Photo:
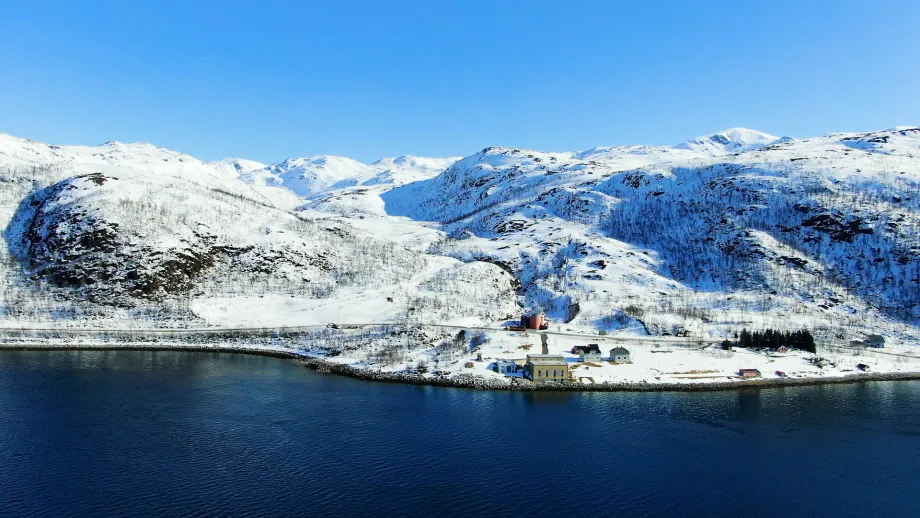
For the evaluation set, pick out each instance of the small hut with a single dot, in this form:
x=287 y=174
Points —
x=749 y=373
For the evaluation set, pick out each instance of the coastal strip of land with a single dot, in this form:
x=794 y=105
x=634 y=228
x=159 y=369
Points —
x=472 y=381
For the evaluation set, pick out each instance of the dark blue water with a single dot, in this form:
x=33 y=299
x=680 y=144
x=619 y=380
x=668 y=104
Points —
x=198 y=434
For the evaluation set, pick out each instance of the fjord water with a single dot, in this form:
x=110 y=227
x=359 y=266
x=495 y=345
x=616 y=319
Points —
x=200 y=434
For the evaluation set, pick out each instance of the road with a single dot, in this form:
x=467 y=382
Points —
x=269 y=331
x=294 y=329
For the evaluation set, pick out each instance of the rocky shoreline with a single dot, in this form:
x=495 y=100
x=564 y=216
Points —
x=470 y=381
x=274 y=353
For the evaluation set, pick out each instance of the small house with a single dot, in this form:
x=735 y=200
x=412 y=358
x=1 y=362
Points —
x=620 y=355
x=876 y=341
x=506 y=367
x=749 y=373
x=782 y=349
x=780 y=374
x=541 y=368
x=588 y=353
x=863 y=367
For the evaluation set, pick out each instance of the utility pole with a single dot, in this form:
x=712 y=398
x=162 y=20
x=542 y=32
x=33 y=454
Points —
x=408 y=312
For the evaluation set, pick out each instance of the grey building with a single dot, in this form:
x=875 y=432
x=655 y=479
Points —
x=588 y=353
x=620 y=355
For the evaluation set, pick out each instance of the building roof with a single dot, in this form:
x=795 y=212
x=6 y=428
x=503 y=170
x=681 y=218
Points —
x=876 y=338
x=546 y=358
x=749 y=370
x=619 y=350
x=590 y=348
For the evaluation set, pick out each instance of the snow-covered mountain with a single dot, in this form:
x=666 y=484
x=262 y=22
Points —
x=134 y=233
x=298 y=181
x=306 y=177
x=405 y=169
x=752 y=229
x=730 y=230
x=734 y=140
x=339 y=184
x=111 y=157
x=236 y=166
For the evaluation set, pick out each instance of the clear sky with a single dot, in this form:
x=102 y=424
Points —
x=268 y=80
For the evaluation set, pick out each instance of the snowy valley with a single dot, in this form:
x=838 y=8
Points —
x=661 y=249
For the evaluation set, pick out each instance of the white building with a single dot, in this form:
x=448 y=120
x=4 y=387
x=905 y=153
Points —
x=506 y=367
x=590 y=353
x=619 y=355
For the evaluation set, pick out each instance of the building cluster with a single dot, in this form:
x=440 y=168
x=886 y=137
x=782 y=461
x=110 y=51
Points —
x=542 y=368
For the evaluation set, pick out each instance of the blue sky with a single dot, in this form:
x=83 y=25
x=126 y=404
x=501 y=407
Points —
x=269 y=80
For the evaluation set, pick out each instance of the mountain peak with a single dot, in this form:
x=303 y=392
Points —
x=236 y=166
x=321 y=161
x=415 y=162
x=732 y=140
x=131 y=145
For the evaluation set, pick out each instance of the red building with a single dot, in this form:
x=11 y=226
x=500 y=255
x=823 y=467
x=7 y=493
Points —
x=535 y=321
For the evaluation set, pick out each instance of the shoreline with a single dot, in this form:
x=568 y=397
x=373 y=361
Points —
x=475 y=382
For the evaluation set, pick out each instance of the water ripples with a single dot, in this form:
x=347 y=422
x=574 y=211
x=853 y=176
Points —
x=199 y=434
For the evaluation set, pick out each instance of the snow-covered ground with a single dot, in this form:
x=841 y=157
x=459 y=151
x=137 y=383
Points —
x=672 y=363
x=729 y=231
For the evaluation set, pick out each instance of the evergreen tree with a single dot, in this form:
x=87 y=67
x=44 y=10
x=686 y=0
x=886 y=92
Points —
x=770 y=338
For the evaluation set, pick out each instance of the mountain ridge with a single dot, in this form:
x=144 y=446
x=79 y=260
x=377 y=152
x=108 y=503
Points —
x=715 y=226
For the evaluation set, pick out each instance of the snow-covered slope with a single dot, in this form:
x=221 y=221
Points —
x=234 y=167
x=734 y=140
x=307 y=176
x=111 y=156
x=405 y=169
x=361 y=194
x=122 y=230
x=708 y=237
x=354 y=186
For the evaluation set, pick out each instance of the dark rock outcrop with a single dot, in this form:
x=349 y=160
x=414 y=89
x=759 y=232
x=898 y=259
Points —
x=70 y=244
